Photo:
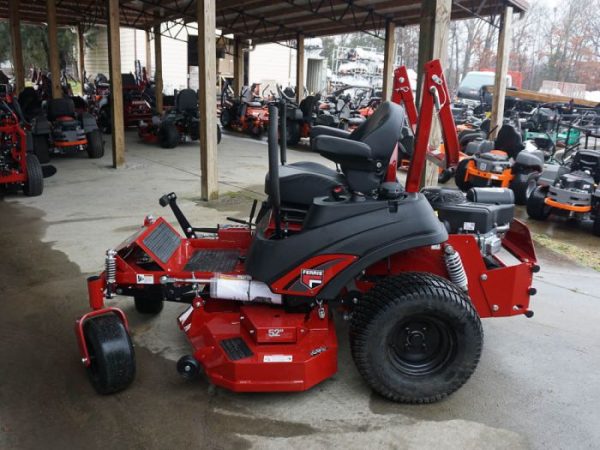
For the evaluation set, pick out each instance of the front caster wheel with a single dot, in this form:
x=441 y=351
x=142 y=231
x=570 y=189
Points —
x=415 y=338
x=188 y=367
x=112 y=359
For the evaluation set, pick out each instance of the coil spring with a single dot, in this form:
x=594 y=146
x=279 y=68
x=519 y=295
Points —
x=111 y=267
x=456 y=270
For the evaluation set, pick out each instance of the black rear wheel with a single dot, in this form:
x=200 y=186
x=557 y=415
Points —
x=112 y=359
x=168 y=136
x=596 y=226
x=218 y=134
x=95 y=144
x=225 y=117
x=104 y=120
x=416 y=338
x=460 y=175
x=34 y=185
x=536 y=204
x=523 y=185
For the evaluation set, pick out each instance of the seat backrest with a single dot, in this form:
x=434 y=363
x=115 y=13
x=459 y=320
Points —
x=509 y=140
x=307 y=105
x=382 y=130
x=186 y=100
x=128 y=80
x=58 y=107
x=587 y=160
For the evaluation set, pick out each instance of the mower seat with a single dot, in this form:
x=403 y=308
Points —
x=59 y=107
x=365 y=154
x=307 y=106
x=509 y=140
x=186 y=100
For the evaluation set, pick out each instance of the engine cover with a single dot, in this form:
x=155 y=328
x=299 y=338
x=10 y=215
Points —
x=475 y=218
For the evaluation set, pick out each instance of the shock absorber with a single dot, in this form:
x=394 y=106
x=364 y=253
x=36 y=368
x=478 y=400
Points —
x=110 y=263
x=455 y=268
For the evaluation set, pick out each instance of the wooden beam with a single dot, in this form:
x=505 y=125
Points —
x=81 y=47
x=148 y=55
x=207 y=98
x=502 y=57
x=158 y=78
x=299 y=67
x=17 y=49
x=53 y=55
x=389 y=55
x=238 y=66
x=433 y=38
x=116 y=84
x=541 y=97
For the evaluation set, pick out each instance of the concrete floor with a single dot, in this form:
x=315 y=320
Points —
x=536 y=385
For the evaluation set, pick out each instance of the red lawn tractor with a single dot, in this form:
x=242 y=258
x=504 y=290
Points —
x=136 y=105
x=414 y=282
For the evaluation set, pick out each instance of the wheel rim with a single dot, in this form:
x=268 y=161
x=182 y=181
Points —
x=421 y=345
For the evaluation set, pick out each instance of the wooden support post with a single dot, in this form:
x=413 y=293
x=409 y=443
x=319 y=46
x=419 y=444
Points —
x=238 y=66
x=300 y=67
x=389 y=55
x=53 y=56
x=433 y=42
x=116 y=84
x=158 y=78
x=81 y=45
x=148 y=54
x=502 y=57
x=207 y=98
x=17 y=49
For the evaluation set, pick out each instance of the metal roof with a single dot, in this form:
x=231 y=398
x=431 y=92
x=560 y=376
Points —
x=262 y=20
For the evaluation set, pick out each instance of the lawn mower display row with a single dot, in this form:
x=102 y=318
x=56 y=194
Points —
x=570 y=189
x=180 y=123
x=414 y=271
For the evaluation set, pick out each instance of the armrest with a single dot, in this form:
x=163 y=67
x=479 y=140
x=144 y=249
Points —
x=342 y=151
x=322 y=130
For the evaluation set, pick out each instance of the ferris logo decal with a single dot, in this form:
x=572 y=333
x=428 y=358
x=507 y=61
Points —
x=311 y=278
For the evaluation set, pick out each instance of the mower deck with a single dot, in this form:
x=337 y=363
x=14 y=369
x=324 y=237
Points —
x=257 y=348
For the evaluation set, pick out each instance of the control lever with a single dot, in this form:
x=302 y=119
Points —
x=171 y=200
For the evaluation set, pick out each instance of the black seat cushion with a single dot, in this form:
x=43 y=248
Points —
x=254 y=104
x=299 y=186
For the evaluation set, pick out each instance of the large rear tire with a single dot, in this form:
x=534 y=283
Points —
x=416 y=338
x=225 y=117
x=34 y=185
x=95 y=145
x=41 y=148
x=168 y=136
x=218 y=134
x=536 y=205
x=596 y=225
x=523 y=185
x=104 y=120
x=461 y=173
x=112 y=359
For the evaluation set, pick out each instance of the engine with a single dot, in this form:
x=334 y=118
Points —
x=488 y=218
x=579 y=181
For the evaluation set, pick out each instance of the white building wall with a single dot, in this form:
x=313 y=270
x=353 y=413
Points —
x=272 y=63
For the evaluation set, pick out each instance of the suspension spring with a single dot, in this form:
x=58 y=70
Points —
x=111 y=271
x=456 y=270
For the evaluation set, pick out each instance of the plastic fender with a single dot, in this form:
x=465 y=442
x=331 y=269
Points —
x=88 y=122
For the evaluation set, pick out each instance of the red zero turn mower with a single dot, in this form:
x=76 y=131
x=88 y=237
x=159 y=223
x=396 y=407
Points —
x=18 y=167
x=261 y=293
